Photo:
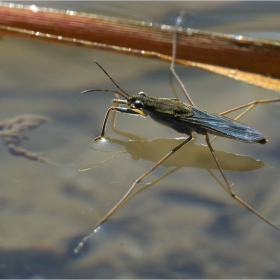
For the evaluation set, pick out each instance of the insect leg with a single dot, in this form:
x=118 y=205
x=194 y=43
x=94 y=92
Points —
x=250 y=106
x=152 y=183
x=123 y=199
x=231 y=191
x=118 y=109
x=172 y=68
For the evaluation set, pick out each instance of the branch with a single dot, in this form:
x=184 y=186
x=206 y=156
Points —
x=237 y=52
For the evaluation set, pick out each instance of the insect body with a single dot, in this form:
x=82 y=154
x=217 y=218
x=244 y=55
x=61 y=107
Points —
x=185 y=118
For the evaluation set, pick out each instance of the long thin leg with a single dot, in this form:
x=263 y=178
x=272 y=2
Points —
x=251 y=104
x=172 y=69
x=152 y=183
x=123 y=199
x=231 y=191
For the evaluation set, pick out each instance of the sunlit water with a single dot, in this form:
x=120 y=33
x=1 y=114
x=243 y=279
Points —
x=185 y=225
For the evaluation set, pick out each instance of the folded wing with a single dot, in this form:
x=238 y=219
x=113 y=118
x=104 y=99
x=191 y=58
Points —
x=223 y=126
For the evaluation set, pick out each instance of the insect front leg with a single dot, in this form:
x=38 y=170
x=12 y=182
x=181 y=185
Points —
x=118 y=109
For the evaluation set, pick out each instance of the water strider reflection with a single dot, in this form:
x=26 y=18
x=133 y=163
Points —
x=191 y=155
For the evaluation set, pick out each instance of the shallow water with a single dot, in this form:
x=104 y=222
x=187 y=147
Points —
x=184 y=226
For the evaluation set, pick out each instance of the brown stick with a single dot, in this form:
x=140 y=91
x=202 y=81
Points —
x=237 y=52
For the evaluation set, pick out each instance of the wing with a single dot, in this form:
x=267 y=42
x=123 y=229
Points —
x=202 y=121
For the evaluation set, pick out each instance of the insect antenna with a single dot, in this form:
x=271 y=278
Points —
x=124 y=94
x=105 y=90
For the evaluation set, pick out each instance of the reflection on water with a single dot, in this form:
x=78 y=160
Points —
x=183 y=227
x=190 y=155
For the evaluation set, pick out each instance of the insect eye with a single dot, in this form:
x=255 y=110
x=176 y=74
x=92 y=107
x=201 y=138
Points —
x=142 y=93
x=138 y=104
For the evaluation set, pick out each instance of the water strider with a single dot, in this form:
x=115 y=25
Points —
x=184 y=119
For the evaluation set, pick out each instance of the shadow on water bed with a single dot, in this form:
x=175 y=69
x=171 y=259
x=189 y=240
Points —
x=11 y=134
x=46 y=264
